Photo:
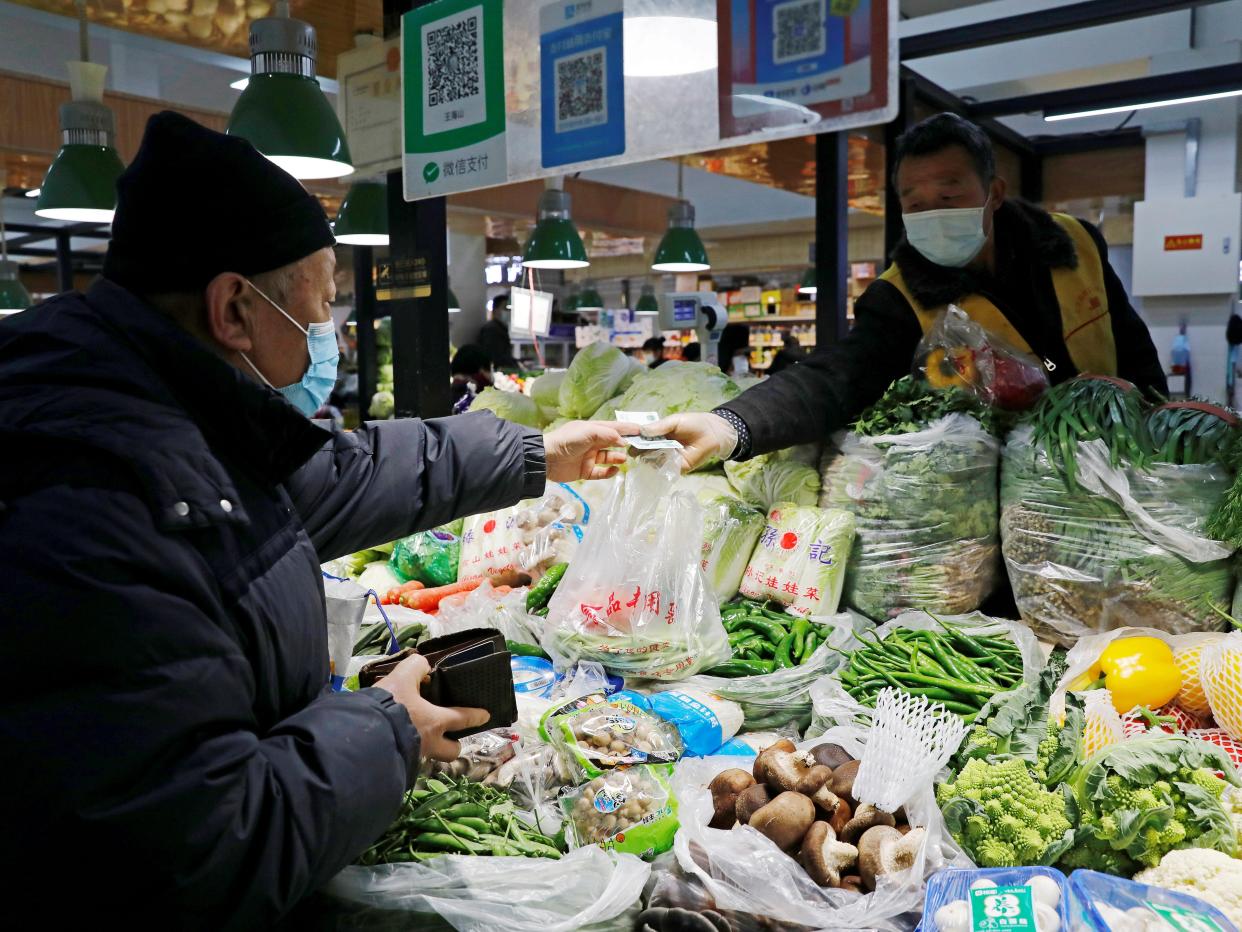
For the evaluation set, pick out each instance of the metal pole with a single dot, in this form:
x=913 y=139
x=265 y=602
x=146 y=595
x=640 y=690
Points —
x=420 y=326
x=364 y=317
x=64 y=263
x=831 y=237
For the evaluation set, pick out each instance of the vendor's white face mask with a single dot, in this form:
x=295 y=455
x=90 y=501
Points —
x=741 y=366
x=950 y=237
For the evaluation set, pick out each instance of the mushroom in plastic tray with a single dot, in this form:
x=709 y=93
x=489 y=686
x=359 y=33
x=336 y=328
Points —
x=803 y=802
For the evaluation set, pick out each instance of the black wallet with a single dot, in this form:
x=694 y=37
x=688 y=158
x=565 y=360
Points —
x=469 y=668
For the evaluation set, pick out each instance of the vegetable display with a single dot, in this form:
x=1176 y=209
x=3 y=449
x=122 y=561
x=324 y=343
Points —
x=678 y=386
x=1097 y=529
x=375 y=639
x=764 y=639
x=598 y=372
x=925 y=505
x=800 y=559
x=512 y=406
x=767 y=480
x=959 y=670
x=456 y=816
x=731 y=528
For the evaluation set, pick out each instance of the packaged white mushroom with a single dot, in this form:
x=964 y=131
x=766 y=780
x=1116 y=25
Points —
x=1113 y=904
x=597 y=732
x=965 y=900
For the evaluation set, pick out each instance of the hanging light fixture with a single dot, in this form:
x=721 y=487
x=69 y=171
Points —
x=680 y=250
x=589 y=299
x=13 y=294
x=807 y=285
x=362 y=219
x=80 y=185
x=647 y=301
x=554 y=243
x=283 y=111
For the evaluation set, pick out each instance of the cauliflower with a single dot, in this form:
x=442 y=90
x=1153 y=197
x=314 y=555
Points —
x=1003 y=816
x=1212 y=876
x=1232 y=799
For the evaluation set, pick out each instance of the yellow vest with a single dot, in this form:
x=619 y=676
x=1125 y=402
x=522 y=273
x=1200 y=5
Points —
x=1085 y=325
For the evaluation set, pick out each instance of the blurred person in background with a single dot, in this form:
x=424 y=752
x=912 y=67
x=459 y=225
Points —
x=692 y=352
x=471 y=370
x=733 y=350
x=494 y=336
x=653 y=352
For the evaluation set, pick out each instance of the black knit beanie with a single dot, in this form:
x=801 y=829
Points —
x=195 y=203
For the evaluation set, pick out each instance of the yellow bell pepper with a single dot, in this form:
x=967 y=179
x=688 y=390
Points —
x=1140 y=671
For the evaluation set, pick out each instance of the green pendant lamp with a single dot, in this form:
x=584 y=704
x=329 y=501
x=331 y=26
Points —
x=283 y=111
x=647 y=301
x=807 y=285
x=680 y=250
x=589 y=299
x=363 y=217
x=554 y=242
x=80 y=185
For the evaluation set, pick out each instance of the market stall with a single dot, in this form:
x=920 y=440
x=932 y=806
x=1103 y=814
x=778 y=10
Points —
x=765 y=697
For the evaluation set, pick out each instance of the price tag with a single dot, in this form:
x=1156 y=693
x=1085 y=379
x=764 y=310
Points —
x=1184 y=920
x=999 y=909
x=643 y=443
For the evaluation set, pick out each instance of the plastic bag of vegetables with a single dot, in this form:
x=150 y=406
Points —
x=431 y=557
x=925 y=511
x=800 y=560
x=634 y=598
x=837 y=702
x=1111 y=538
x=595 y=375
x=731 y=529
x=588 y=886
x=512 y=406
x=745 y=870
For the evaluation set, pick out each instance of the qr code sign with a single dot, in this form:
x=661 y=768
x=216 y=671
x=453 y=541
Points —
x=453 y=62
x=581 y=90
x=798 y=30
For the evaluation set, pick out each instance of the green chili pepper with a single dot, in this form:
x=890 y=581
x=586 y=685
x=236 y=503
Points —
x=808 y=648
x=732 y=668
x=784 y=660
x=773 y=631
x=800 y=629
x=541 y=592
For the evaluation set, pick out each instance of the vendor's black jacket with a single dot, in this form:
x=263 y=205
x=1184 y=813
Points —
x=171 y=757
x=832 y=386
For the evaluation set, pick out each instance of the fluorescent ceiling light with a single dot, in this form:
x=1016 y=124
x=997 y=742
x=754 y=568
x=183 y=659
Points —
x=307 y=168
x=34 y=192
x=240 y=84
x=646 y=313
x=664 y=46
x=1148 y=105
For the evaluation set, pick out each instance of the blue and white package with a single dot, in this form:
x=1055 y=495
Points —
x=1033 y=899
x=532 y=676
x=705 y=722
x=1104 y=903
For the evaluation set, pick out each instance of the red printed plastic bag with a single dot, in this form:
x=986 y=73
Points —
x=800 y=559
x=959 y=353
x=634 y=598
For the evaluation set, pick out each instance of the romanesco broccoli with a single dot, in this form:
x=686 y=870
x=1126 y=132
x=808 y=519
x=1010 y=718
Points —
x=1002 y=815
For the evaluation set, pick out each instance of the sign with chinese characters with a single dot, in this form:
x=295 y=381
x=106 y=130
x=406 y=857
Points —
x=996 y=909
x=369 y=104
x=790 y=63
x=453 y=97
x=1175 y=243
x=1185 y=920
x=402 y=278
x=582 y=94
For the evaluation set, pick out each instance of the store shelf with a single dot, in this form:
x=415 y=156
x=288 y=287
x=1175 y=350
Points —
x=775 y=319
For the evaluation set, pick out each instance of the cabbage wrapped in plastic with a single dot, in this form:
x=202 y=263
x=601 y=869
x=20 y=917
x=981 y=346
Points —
x=512 y=406
x=679 y=386
x=731 y=529
x=383 y=405
x=766 y=480
x=546 y=393
x=595 y=375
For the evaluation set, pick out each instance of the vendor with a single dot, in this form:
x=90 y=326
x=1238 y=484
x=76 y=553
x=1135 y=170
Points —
x=165 y=504
x=1039 y=281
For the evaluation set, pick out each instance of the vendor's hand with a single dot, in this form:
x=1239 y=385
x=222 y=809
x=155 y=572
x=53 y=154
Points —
x=432 y=721
x=702 y=436
x=582 y=449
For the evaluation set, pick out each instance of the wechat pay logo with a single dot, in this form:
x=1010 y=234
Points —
x=431 y=171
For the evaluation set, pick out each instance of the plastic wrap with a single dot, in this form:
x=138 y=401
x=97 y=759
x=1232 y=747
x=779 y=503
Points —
x=832 y=705
x=596 y=733
x=925 y=511
x=731 y=529
x=431 y=557
x=631 y=811
x=482 y=894
x=783 y=697
x=634 y=598
x=742 y=870
x=800 y=559
x=484 y=607
x=1104 y=903
x=951 y=887
x=774 y=477
x=526 y=537
x=1124 y=548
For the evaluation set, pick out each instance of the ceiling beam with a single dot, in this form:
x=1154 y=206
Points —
x=936 y=96
x=1032 y=25
x=1116 y=93
x=1073 y=143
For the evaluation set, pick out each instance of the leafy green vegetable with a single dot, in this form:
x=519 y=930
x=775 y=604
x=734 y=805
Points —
x=1143 y=797
x=800 y=559
x=545 y=392
x=595 y=375
x=730 y=531
x=355 y=563
x=678 y=386
x=1090 y=407
x=383 y=404
x=765 y=480
x=1185 y=433
x=909 y=405
x=512 y=406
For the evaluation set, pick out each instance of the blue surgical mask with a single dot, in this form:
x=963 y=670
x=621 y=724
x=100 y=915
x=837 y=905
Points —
x=951 y=237
x=309 y=394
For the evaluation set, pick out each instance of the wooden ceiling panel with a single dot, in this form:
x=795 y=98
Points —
x=223 y=25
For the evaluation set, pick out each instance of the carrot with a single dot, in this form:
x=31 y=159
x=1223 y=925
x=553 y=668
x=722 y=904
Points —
x=425 y=599
x=393 y=596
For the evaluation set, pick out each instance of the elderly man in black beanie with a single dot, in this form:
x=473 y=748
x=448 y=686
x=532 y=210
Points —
x=172 y=754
